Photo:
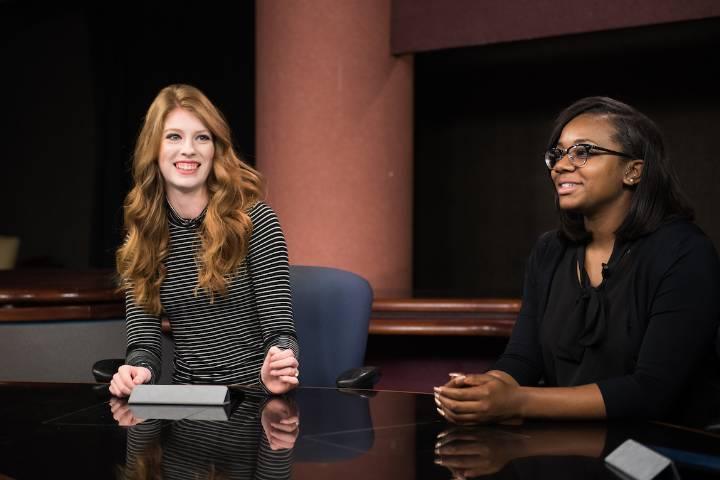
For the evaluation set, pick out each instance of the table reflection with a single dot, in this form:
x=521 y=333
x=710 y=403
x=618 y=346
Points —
x=475 y=451
x=73 y=431
x=568 y=450
x=255 y=441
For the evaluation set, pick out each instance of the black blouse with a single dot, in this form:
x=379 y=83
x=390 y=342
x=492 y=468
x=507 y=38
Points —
x=645 y=335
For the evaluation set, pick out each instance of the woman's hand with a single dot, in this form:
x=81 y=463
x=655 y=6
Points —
x=122 y=413
x=479 y=398
x=279 y=372
x=473 y=451
x=126 y=378
x=281 y=423
x=470 y=452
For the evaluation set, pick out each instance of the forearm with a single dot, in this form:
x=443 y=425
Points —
x=139 y=357
x=584 y=401
x=270 y=275
x=144 y=338
x=285 y=342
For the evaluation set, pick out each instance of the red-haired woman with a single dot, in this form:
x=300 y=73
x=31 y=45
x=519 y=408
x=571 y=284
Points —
x=202 y=249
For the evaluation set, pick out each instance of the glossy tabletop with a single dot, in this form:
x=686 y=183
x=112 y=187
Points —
x=77 y=431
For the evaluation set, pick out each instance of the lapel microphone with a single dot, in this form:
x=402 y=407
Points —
x=606 y=267
x=605 y=270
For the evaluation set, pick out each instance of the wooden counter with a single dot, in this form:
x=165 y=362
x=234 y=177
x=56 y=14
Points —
x=54 y=295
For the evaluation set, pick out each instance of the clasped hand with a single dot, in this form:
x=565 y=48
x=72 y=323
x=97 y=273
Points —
x=122 y=413
x=281 y=423
x=279 y=372
x=126 y=378
x=470 y=452
x=479 y=398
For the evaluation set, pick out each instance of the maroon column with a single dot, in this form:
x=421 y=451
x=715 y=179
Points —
x=334 y=136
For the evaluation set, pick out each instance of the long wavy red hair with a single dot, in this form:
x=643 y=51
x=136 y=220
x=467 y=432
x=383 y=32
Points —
x=233 y=187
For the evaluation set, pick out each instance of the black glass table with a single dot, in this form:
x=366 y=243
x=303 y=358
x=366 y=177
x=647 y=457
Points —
x=78 y=431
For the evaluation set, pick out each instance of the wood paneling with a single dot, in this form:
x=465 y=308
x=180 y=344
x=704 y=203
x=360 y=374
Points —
x=65 y=295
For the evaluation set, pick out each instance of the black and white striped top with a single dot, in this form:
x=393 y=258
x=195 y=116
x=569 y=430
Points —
x=224 y=341
x=235 y=449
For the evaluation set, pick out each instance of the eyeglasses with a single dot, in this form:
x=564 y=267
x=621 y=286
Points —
x=577 y=154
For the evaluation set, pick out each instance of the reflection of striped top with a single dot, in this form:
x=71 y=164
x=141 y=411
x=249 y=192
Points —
x=236 y=449
x=223 y=341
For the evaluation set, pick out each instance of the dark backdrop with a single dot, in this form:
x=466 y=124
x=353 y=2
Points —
x=77 y=80
x=483 y=115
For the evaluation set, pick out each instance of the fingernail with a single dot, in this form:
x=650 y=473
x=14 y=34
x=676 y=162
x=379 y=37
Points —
x=454 y=374
x=440 y=412
x=436 y=389
x=438 y=461
x=442 y=434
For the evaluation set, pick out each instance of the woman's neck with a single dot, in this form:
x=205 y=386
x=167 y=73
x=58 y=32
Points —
x=188 y=205
x=603 y=224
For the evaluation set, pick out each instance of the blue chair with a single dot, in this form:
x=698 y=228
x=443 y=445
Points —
x=331 y=309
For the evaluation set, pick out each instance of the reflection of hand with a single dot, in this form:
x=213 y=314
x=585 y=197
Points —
x=479 y=398
x=126 y=378
x=480 y=451
x=473 y=451
x=279 y=372
x=122 y=413
x=281 y=423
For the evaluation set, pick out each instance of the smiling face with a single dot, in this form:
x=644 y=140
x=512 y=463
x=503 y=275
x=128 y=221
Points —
x=186 y=154
x=599 y=184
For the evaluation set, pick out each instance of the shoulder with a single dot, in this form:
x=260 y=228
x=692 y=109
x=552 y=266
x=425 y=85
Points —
x=679 y=238
x=264 y=221
x=548 y=246
x=260 y=212
x=681 y=248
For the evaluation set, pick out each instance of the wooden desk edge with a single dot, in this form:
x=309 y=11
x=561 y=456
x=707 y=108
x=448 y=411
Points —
x=462 y=317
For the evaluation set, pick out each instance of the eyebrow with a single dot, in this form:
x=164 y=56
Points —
x=578 y=141
x=204 y=130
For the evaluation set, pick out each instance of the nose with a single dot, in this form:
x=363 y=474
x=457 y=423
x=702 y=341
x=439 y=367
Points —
x=564 y=164
x=188 y=148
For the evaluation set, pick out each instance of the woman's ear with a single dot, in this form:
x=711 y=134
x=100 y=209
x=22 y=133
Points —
x=633 y=172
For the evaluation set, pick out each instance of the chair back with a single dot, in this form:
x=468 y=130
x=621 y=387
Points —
x=331 y=309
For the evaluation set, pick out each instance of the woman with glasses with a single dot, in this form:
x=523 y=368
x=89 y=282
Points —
x=204 y=250
x=621 y=304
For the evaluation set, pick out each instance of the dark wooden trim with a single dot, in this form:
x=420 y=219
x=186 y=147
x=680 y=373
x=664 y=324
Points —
x=447 y=305
x=493 y=317
x=57 y=287
x=35 y=296
x=26 y=296
x=54 y=313
x=495 y=327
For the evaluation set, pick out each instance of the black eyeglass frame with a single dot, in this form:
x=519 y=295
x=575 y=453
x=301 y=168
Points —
x=587 y=146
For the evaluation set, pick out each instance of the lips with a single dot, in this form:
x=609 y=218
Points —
x=187 y=167
x=567 y=187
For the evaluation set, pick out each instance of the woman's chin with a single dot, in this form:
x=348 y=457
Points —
x=569 y=206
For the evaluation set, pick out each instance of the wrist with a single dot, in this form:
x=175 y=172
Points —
x=523 y=400
x=504 y=376
x=150 y=375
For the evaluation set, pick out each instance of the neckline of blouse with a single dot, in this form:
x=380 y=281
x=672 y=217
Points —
x=176 y=219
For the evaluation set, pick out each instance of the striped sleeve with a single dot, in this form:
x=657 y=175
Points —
x=144 y=336
x=267 y=261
